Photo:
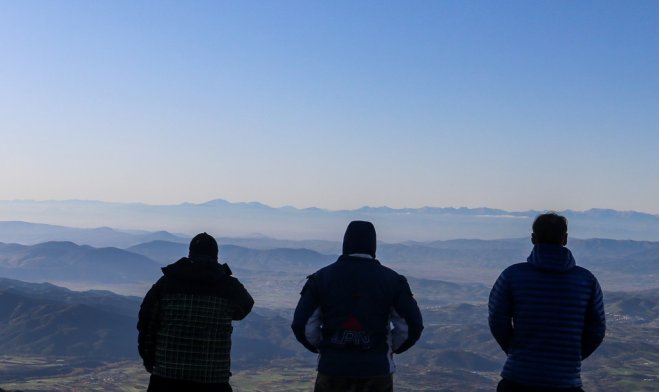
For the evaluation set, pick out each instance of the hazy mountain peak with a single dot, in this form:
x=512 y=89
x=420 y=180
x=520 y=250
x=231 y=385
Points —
x=228 y=219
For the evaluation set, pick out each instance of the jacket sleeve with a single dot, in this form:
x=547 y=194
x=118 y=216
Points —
x=307 y=320
x=147 y=325
x=500 y=312
x=595 y=323
x=241 y=300
x=406 y=319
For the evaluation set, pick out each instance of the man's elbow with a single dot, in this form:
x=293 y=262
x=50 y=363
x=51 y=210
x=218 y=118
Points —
x=413 y=336
x=242 y=309
x=300 y=336
x=239 y=313
x=592 y=344
x=502 y=333
x=415 y=332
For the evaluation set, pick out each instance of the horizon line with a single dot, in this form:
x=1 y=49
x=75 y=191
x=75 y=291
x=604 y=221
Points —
x=288 y=206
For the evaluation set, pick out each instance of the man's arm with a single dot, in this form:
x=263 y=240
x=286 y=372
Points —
x=307 y=318
x=147 y=326
x=500 y=312
x=241 y=301
x=595 y=323
x=406 y=318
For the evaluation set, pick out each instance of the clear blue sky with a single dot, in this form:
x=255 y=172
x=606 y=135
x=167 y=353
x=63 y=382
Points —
x=509 y=104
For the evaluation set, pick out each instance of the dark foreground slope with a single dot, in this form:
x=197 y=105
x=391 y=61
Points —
x=42 y=319
x=54 y=335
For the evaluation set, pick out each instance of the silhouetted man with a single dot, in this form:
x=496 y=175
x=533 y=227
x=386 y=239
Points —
x=185 y=322
x=546 y=314
x=346 y=311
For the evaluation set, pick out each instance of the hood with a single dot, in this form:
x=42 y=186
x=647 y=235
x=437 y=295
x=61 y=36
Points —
x=551 y=257
x=190 y=269
x=360 y=237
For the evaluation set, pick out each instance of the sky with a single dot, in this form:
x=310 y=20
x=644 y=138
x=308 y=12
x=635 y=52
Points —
x=545 y=105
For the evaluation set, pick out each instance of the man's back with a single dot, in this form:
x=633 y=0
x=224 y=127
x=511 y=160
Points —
x=195 y=306
x=346 y=311
x=185 y=323
x=355 y=297
x=547 y=315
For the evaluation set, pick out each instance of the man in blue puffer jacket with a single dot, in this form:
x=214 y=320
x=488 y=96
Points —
x=546 y=314
x=345 y=314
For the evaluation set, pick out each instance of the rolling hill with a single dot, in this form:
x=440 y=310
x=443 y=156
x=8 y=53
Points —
x=66 y=261
x=48 y=320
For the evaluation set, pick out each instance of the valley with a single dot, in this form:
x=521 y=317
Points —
x=456 y=353
x=58 y=339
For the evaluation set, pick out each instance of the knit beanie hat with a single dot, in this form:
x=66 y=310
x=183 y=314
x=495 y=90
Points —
x=359 y=238
x=203 y=245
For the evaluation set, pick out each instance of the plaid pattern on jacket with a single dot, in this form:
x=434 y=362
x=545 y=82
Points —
x=194 y=338
x=185 y=322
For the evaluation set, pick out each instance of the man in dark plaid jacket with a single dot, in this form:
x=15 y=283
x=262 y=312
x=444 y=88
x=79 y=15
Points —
x=185 y=322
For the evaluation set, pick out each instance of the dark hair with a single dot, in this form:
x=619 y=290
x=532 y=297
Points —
x=550 y=228
x=203 y=244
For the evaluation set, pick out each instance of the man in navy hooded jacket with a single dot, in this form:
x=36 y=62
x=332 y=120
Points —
x=546 y=314
x=345 y=314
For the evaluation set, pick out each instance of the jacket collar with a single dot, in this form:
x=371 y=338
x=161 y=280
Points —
x=361 y=255
x=353 y=258
x=551 y=257
x=190 y=269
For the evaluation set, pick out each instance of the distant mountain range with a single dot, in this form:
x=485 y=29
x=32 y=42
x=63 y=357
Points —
x=277 y=274
x=30 y=233
x=222 y=218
